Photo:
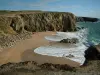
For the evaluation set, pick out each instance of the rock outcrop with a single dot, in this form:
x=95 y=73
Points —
x=86 y=19
x=92 y=53
x=36 y=22
x=49 y=21
x=5 y=27
x=11 y=40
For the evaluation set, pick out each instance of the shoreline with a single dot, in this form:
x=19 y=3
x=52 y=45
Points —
x=22 y=51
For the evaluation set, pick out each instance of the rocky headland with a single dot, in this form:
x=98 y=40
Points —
x=86 y=19
x=37 y=22
x=14 y=25
x=18 y=26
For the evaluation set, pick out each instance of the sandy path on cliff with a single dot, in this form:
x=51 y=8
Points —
x=22 y=51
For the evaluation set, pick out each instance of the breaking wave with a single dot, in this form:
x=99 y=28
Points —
x=93 y=31
x=74 y=52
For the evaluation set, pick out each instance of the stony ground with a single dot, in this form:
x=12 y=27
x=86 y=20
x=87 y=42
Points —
x=32 y=68
x=9 y=41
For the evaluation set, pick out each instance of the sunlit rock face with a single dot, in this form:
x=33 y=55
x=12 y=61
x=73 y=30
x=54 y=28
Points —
x=37 y=22
x=49 y=21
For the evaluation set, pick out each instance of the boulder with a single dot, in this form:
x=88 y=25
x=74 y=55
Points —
x=92 y=53
x=72 y=41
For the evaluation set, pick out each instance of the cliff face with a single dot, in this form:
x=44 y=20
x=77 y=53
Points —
x=37 y=21
x=5 y=25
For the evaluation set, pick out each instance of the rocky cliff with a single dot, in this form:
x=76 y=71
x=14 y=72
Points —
x=36 y=22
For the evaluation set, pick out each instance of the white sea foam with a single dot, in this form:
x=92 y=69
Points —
x=54 y=38
x=64 y=50
x=80 y=35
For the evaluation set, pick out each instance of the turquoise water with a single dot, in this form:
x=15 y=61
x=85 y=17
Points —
x=93 y=31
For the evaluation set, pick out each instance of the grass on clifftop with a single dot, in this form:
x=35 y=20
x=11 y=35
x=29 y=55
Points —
x=3 y=12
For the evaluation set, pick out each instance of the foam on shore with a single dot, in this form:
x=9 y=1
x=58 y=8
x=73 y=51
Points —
x=65 y=50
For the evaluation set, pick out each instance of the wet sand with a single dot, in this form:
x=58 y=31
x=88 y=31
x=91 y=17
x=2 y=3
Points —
x=24 y=51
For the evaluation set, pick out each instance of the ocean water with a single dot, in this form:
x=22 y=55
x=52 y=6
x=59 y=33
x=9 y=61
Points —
x=66 y=49
x=87 y=36
x=93 y=35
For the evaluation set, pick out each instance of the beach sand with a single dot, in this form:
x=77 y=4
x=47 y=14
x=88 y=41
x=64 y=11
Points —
x=24 y=51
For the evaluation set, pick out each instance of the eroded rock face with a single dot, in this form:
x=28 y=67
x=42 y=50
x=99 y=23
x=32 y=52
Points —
x=49 y=21
x=17 y=24
x=38 y=21
x=5 y=25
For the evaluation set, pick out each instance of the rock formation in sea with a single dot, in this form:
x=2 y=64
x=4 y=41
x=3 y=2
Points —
x=71 y=41
x=92 y=53
x=86 y=19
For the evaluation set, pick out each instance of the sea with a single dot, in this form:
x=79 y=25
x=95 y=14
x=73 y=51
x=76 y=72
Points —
x=72 y=51
x=87 y=33
x=93 y=35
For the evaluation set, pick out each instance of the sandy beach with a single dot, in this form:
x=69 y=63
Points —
x=24 y=51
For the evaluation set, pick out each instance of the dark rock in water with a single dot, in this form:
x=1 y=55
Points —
x=73 y=40
x=82 y=27
x=92 y=53
x=70 y=56
x=86 y=19
x=79 y=28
